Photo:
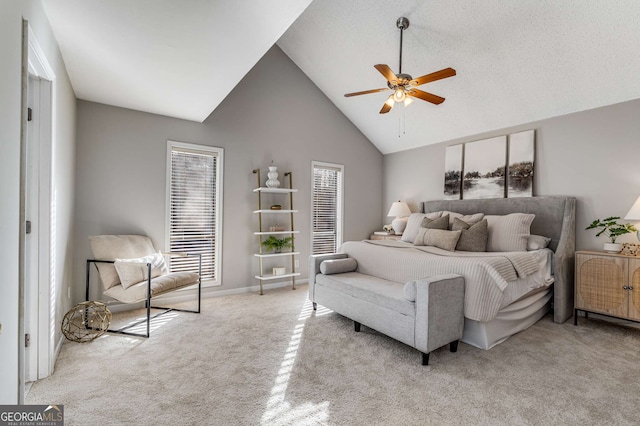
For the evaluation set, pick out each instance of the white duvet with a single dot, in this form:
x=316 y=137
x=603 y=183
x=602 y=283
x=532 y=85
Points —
x=492 y=280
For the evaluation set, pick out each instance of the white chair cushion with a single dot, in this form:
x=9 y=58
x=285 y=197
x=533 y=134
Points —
x=112 y=247
x=133 y=271
x=162 y=284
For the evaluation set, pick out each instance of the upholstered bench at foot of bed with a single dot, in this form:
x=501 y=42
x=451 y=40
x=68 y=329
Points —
x=425 y=314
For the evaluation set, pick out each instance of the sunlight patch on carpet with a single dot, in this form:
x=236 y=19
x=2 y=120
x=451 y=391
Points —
x=279 y=411
x=155 y=324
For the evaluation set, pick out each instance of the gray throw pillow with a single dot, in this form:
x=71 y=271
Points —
x=439 y=223
x=445 y=240
x=471 y=219
x=338 y=266
x=473 y=237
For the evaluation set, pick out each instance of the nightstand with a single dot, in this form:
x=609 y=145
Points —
x=607 y=284
x=385 y=237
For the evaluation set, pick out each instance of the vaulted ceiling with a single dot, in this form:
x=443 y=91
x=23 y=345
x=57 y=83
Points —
x=516 y=61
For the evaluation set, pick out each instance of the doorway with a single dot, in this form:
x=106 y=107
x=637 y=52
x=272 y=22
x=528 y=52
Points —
x=37 y=352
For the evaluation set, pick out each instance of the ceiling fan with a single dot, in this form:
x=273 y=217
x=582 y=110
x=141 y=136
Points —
x=403 y=85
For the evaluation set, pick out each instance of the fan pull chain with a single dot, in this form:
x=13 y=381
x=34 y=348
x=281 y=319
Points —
x=402 y=125
x=404 y=122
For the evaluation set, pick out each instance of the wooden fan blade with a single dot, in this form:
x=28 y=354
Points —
x=438 y=75
x=425 y=96
x=387 y=73
x=365 y=92
x=386 y=107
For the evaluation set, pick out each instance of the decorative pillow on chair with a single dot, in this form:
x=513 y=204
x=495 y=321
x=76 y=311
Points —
x=133 y=271
x=112 y=247
x=413 y=225
x=510 y=232
x=473 y=237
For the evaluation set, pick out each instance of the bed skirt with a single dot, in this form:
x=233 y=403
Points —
x=510 y=320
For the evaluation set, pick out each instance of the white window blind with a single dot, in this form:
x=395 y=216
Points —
x=326 y=210
x=194 y=207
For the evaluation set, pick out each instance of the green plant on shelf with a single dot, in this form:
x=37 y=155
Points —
x=611 y=228
x=277 y=244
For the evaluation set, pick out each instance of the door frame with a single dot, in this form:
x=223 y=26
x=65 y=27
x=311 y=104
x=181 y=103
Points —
x=35 y=64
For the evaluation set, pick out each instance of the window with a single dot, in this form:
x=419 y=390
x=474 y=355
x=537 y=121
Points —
x=194 y=207
x=326 y=208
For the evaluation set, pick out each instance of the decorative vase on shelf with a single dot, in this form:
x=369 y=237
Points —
x=273 y=181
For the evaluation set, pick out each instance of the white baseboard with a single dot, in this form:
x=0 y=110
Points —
x=56 y=352
x=189 y=295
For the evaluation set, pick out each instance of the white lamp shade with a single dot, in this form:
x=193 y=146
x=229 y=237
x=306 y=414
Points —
x=634 y=213
x=399 y=209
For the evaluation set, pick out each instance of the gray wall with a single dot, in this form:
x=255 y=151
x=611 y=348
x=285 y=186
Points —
x=62 y=178
x=274 y=114
x=591 y=155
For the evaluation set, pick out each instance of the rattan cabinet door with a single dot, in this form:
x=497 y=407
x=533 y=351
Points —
x=634 y=294
x=600 y=282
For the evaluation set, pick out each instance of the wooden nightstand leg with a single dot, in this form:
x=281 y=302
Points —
x=575 y=317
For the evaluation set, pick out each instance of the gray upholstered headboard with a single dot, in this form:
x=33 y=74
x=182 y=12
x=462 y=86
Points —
x=555 y=218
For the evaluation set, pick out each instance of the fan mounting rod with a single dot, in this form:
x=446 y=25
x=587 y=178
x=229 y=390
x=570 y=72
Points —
x=402 y=23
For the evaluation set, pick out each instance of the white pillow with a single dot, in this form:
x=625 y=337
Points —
x=413 y=225
x=510 y=232
x=537 y=242
x=133 y=271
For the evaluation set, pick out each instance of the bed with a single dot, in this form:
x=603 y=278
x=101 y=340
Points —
x=555 y=219
x=508 y=284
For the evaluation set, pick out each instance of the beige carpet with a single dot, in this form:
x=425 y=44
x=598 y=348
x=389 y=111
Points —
x=251 y=360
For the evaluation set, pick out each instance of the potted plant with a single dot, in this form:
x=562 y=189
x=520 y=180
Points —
x=277 y=244
x=612 y=230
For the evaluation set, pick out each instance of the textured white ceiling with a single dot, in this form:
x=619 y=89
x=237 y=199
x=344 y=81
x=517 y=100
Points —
x=516 y=61
x=179 y=58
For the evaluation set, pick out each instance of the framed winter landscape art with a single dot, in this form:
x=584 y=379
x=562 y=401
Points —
x=484 y=168
x=453 y=172
x=521 y=157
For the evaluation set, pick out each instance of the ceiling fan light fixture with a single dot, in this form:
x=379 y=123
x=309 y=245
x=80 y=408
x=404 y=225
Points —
x=399 y=95
x=390 y=100
x=404 y=85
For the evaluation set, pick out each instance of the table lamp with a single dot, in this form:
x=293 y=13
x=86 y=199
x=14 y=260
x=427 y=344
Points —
x=400 y=210
x=634 y=214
